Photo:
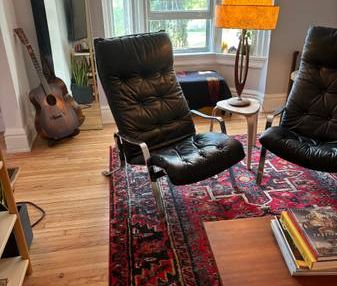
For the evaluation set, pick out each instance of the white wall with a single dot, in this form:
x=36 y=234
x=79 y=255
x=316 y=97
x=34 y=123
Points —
x=17 y=75
x=97 y=26
x=294 y=20
x=60 y=46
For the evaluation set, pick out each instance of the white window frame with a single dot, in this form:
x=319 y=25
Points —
x=138 y=14
x=178 y=15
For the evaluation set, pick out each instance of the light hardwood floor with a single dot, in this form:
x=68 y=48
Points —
x=70 y=245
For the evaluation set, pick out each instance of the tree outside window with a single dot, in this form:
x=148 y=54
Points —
x=188 y=22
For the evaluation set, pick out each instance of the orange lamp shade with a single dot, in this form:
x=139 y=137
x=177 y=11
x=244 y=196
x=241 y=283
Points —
x=247 y=14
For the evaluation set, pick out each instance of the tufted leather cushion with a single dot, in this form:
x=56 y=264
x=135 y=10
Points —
x=311 y=110
x=198 y=157
x=306 y=152
x=140 y=84
x=149 y=106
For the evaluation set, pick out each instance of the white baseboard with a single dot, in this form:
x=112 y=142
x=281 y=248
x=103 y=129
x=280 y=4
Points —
x=273 y=100
x=20 y=139
x=106 y=115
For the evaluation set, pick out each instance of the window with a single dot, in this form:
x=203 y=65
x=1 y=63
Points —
x=230 y=41
x=117 y=17
x=188 y=22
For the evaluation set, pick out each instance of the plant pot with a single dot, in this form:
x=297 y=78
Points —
x=11 y=249
x=82 y=94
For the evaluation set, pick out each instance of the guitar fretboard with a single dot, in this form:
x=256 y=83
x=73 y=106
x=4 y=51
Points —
x=33 y=57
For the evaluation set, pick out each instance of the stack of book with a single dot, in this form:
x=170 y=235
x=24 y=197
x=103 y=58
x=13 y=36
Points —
x=308 y=240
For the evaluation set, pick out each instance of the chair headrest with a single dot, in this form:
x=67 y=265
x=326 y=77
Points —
x=140 y=53
x=320 y=47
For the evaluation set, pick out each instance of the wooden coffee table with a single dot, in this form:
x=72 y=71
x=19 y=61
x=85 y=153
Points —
x=247 y=254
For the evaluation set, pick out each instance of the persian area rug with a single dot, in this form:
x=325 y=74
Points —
x=143 y=252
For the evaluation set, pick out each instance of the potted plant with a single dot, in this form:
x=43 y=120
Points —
x=82 y=91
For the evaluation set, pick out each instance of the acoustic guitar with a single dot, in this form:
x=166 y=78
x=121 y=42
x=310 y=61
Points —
x=57 y=114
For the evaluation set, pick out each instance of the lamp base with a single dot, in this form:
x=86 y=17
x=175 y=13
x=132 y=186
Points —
x=239 y=102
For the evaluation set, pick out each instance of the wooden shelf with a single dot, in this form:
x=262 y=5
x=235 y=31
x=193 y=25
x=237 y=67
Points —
x=81 y=54
x=14 y=269
x=13 y=174
x=7 y=222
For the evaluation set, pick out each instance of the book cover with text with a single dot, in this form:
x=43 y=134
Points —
x=319 y=225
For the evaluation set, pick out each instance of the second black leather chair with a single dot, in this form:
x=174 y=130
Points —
x=307 y=135
x=154 y=121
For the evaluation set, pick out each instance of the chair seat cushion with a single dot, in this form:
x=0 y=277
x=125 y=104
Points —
x=198 y=157
x=306 y=152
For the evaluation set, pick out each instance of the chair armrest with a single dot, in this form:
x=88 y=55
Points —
x=208 y=117
x=271 y=116
x=142 y=145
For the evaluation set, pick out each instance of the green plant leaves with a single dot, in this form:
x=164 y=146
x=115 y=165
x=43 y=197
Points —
x=80 y=70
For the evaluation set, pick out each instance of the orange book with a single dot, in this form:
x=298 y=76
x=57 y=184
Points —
x=301 y=232
x=297 y=239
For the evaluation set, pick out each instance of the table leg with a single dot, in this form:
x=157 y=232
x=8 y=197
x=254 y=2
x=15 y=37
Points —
x=213 y=114
x=252 y=126
x=255 y=129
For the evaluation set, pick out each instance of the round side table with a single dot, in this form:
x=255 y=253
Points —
x=250 y=113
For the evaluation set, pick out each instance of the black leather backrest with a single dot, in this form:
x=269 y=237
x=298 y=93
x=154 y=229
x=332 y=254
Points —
x=311 y=109
x=140 y=84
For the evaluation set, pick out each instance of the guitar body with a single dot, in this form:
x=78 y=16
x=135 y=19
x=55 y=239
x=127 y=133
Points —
x=57 y=114
x=60 y=83
x=55 y=117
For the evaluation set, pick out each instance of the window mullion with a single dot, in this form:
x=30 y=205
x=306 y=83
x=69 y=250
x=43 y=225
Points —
x=172 y=15
x=215 y=33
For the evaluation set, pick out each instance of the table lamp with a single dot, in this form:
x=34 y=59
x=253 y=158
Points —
x=245 y=15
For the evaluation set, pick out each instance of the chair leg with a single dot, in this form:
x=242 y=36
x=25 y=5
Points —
x=156 y=190
x=232 y=178
x=261 y=165
x=119 y=147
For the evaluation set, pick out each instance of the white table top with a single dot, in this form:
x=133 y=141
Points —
x=253 y=108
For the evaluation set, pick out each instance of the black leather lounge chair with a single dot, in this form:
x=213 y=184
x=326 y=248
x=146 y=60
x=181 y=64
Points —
x=155 y=126
x=307 y=135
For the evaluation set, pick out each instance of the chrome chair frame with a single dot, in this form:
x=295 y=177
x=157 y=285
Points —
x=154 y=174
x=263 y=154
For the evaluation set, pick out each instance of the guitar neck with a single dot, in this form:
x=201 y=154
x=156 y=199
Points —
x=38 y=69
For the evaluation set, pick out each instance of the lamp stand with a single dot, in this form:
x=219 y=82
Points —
x=241 y=71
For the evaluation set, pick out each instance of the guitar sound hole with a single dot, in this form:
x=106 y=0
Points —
x=51 y=100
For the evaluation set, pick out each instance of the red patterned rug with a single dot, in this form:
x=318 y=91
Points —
x=143 y=253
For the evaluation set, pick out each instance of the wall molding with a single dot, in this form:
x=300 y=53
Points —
x=211 y=59
x=20 y=139
x=106 y=115
x=229 y=60
x=272 y=101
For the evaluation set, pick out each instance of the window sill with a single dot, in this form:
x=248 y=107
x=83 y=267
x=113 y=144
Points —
x=212 y=59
